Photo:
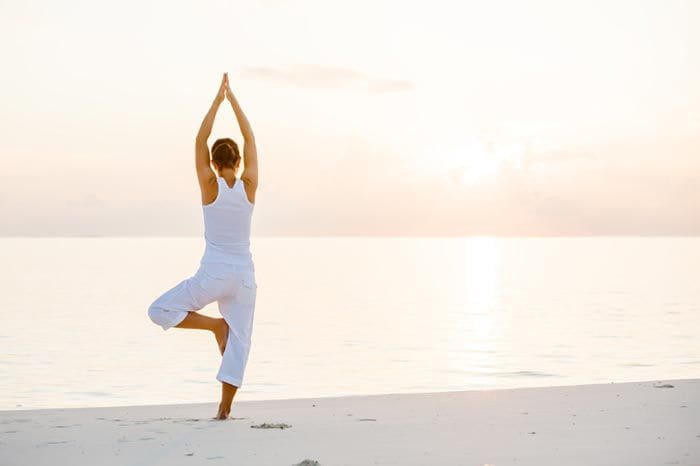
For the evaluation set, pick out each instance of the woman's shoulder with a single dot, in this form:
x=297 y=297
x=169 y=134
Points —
x=210 y=191
x=248 y=189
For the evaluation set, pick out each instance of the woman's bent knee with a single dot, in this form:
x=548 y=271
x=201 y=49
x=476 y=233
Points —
x=158 y=315
x=155 y=313
x=165 y=318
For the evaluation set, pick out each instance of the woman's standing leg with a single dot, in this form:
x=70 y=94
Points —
x=238 y=310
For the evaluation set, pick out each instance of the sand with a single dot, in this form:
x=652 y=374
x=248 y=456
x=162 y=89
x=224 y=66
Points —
x=646 y=423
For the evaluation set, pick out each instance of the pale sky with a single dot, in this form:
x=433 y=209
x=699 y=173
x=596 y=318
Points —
x=371 y=117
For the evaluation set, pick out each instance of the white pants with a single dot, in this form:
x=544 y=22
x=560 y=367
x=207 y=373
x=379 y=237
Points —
x=234 y=288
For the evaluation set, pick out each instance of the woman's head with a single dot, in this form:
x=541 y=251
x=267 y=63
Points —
x=224 y=154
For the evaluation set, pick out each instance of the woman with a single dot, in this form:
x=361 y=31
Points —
x=226 y=273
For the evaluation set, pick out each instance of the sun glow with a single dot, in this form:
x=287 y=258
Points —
x=473 y=161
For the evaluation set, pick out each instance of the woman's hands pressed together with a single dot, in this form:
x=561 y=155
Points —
x=223 y=90
x=229 y=92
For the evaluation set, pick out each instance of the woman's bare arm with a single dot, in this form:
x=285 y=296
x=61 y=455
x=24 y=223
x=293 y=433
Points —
x=250 y=153
x=205 y=174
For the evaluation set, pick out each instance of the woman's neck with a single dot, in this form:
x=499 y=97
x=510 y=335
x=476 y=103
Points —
x=228 y=174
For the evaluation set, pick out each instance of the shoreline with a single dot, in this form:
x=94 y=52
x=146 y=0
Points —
x=652 y=422
x=333 y=397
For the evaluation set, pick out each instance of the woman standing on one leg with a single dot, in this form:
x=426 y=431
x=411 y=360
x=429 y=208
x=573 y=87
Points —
x=226 y=273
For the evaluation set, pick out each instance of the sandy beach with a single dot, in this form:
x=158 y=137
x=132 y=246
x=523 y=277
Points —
x=644 y=423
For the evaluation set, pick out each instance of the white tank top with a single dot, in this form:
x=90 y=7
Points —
x=227 y=226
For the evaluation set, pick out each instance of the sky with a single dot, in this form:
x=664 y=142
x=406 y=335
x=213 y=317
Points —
x=371 y=117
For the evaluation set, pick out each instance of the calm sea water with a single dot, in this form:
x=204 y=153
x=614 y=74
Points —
x=340 y=316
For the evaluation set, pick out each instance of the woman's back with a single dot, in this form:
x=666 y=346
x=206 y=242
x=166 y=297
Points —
x=227 y=225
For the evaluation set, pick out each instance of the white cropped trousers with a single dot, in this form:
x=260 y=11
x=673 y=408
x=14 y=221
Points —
x=234 y=289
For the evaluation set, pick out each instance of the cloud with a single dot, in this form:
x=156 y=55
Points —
x=320 y=76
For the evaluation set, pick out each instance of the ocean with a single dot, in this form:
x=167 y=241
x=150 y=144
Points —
x=349 y=316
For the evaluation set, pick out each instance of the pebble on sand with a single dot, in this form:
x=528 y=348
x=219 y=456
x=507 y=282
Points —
x=308 y=463
x=268 y=425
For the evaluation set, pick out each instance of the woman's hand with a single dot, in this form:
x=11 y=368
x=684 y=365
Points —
x=222 y=89
x=229 y=92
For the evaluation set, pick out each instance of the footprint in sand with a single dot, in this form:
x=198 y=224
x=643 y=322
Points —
x=366 y=419
x=53 y=443
x=269 y=425
x=666 y=385
x=11 y=421
x=140 y=439
x=308 y=463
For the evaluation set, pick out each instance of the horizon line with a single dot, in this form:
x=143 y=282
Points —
x=448 y=236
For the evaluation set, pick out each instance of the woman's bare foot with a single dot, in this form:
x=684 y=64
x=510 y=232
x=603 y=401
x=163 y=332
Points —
x=228 y=391
x=222 y=415
x=221 y=334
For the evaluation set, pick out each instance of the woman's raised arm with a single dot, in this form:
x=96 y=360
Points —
x=201 y=149
x=250 y=153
